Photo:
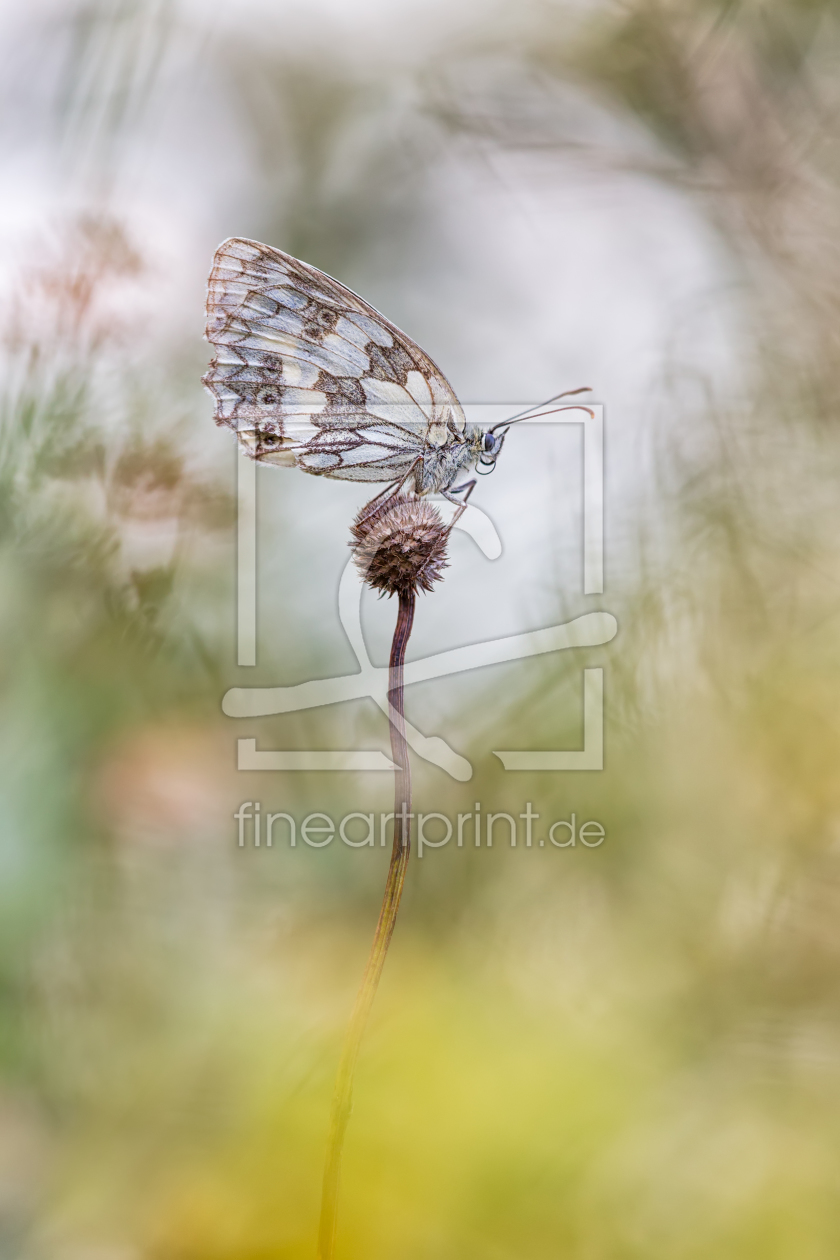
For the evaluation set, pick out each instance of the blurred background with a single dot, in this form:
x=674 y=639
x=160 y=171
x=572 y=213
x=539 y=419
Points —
x=626 y=1052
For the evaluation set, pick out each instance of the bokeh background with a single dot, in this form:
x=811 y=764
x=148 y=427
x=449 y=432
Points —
x=629 y=1052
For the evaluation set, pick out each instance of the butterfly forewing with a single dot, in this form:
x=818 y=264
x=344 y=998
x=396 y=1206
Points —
x=308 y=374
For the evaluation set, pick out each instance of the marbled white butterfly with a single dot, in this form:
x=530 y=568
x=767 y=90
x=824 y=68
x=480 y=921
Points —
x=310 y=376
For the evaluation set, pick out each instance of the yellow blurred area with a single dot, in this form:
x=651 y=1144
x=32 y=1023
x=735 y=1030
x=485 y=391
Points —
x=628 y=1052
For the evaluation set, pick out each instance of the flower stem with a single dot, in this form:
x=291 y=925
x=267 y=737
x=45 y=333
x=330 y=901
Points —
x=343 y=1097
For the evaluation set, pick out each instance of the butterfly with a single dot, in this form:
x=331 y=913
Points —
x=310 y=376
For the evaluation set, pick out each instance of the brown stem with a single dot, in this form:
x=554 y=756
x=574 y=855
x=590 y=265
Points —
x=343 y=1097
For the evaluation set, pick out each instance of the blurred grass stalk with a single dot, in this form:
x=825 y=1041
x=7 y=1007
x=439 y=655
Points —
x=394 y=883
x=400 y=544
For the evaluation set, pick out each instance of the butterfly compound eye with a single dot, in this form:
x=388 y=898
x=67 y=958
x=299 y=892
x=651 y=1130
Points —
x=489 y=443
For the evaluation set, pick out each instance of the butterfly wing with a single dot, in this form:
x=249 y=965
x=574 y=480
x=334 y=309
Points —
x=308 y=374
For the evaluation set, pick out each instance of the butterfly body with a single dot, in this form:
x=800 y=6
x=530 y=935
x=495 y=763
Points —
x=310 y=376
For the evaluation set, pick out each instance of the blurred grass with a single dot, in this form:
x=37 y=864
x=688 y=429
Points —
x=628 y=1052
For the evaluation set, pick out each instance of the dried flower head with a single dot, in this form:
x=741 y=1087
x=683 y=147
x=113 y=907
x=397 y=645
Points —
x=401 y=548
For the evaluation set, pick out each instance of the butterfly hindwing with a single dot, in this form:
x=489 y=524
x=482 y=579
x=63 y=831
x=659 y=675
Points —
x=308 y=374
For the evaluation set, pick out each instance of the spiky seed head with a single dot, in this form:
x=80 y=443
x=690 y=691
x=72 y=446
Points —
x=400 y=548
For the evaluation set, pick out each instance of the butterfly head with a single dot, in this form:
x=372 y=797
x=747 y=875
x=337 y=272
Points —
x=488 y=446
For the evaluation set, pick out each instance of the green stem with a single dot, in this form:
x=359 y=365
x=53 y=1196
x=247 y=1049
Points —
x=343 y=1097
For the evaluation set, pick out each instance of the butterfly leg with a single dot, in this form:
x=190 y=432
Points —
x=466 y=489
x=378 y=502
x=461 y=504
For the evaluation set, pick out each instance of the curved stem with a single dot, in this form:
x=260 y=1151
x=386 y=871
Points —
x=343 y=1097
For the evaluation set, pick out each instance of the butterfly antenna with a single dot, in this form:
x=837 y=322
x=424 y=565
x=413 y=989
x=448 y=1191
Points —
x=520 y=415
x=554 y=411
